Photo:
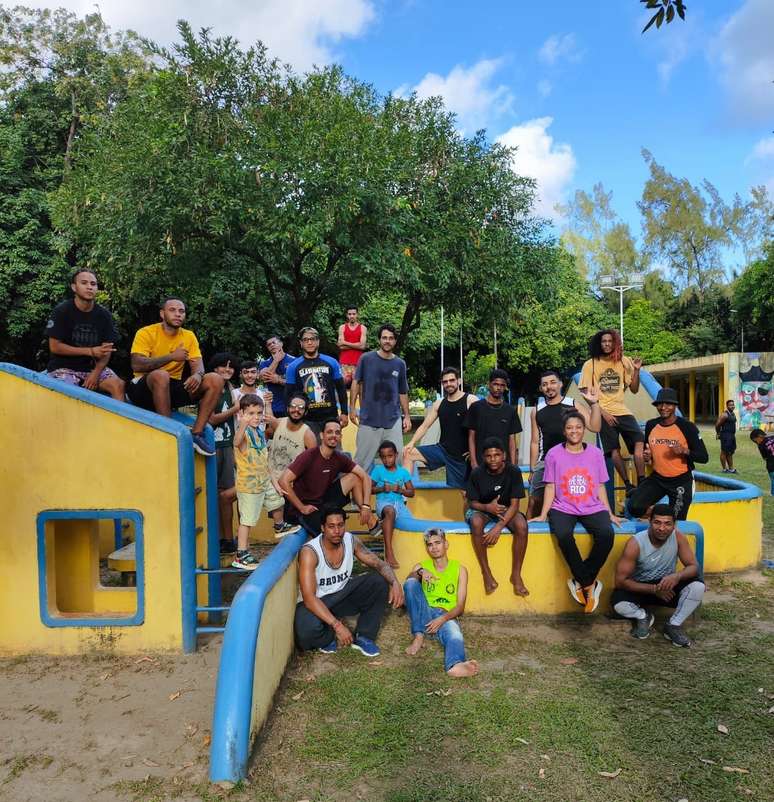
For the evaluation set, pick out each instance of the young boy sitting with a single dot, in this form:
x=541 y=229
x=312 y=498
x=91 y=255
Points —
x=435 y=594
x=253 y=482
x=391 y=484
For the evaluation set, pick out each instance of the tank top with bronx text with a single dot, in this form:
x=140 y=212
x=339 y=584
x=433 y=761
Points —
x=328 y=578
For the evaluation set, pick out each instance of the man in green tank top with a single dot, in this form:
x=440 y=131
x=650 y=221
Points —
x=435 y=594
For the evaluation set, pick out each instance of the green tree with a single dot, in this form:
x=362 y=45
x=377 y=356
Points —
x=646 y=333
x=224 y=169
x=58 y=71
x=692 y=229
x=753 y=293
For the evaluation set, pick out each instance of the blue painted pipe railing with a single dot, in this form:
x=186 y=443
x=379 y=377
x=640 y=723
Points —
x=231 y=720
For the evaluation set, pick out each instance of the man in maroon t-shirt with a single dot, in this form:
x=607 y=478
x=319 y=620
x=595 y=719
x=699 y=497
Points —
x=325 y=476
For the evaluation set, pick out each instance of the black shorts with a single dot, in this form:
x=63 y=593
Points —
x=626 y=427
x=140 y=395
x=334 y=497
x=727 y=443
x=224 y=460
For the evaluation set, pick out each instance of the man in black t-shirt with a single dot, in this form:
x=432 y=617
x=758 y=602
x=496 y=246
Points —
x=494 y=490
x=493 y=417
x=81 y=338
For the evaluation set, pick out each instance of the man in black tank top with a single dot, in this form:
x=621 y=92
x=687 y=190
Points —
x=725 y=427
x=548 y=429
x=451 y=449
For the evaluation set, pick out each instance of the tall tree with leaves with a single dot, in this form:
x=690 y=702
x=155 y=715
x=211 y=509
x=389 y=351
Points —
x=58 y=72
x=692 y=229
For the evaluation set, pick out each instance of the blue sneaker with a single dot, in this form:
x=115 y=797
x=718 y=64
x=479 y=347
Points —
x=200 y=445
x=366 y=646
x=331 y=648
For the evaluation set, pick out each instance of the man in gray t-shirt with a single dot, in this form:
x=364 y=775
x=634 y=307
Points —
x=381 y=385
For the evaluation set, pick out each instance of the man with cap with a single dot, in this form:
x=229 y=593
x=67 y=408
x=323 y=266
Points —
x=675 y=445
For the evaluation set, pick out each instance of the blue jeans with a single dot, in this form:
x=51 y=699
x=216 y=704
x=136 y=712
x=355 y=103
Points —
x=422 y=614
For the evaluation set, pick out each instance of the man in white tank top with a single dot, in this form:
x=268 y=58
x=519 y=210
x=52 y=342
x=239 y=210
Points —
x=328 y=591
x=646 y=576
x=289 y=437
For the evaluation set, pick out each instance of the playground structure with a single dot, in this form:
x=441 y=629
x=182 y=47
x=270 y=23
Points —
x=83 y=475
x=112 y=475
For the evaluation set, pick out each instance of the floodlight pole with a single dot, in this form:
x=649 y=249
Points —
x=620 y=289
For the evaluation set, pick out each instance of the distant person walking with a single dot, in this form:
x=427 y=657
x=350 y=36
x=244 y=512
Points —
x=725 y=426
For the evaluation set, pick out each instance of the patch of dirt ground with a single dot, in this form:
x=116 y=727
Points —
x=73 y=727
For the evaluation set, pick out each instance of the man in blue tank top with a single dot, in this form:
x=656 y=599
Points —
x=328 y=591
x=647 y=576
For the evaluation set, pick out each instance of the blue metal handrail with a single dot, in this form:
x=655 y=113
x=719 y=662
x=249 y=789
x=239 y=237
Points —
x=231 y=719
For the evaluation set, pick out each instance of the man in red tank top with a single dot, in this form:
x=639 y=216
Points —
x=352 y=343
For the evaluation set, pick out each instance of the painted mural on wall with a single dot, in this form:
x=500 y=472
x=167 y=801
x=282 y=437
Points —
x=755 y=400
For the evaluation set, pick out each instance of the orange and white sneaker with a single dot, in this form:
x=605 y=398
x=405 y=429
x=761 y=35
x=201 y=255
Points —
x=592 y=596
x=576 y=591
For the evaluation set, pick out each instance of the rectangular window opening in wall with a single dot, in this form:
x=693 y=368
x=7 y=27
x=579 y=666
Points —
x=91 y=567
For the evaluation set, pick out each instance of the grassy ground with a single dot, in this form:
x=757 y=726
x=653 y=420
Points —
x=564 y=709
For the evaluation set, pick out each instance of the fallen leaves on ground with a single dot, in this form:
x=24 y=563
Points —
x=722 y=728
x=296 y=696
x=735 y=770
x=542 y=774
x=569 y=661
x=611 y=775
x=175 y=695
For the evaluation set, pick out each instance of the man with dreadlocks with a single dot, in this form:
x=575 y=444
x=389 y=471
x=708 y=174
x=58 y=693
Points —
x=611 y=373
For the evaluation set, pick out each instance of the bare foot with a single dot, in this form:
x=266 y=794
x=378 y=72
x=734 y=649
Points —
x=415 y=645
x=392 y=562
x=467 y=669
x=490 y=585
x=519 y=588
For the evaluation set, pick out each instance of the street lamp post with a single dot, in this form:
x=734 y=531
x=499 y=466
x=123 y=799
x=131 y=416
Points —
x=613 y=283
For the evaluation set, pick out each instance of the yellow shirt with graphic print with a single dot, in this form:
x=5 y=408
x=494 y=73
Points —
x=611 y=378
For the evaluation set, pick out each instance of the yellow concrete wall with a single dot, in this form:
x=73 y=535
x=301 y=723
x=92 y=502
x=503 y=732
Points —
x=62 y=453
x=732 y=533
x=545 y=572
x=275 y=645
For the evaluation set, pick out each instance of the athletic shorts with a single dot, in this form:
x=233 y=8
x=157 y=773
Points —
x=490 y=519
x=78 y=377
x=626 y=427
x=224 y=459
x=537 y=485
x=141 y=396
x=436 y=456
x=251 y=505
x=727 y=443
x=399 y=506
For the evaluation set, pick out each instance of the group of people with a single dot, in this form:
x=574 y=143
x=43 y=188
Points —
x=277 y=445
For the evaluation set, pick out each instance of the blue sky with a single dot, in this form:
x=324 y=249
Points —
x=574 y=85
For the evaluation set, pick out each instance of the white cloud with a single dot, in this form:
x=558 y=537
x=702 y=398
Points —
x=538 y=156
x=560 y=47
x=301 y=32
x=544 y=88
x=763 y=150
x=745 y=57
x=468 y=92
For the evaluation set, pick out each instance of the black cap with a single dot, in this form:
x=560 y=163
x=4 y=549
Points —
x=666 y=395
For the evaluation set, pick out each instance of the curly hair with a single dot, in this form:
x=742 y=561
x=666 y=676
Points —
x=595 y=345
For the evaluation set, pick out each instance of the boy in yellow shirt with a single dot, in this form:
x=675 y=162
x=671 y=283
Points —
x=159 y=354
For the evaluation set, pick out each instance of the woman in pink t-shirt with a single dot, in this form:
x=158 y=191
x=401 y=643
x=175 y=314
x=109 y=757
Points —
x=575 y=476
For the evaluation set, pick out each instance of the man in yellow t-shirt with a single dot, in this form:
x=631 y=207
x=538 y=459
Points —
x=159 y=354
x=611 y=373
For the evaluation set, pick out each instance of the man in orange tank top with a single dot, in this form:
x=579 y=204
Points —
x=352 y=343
